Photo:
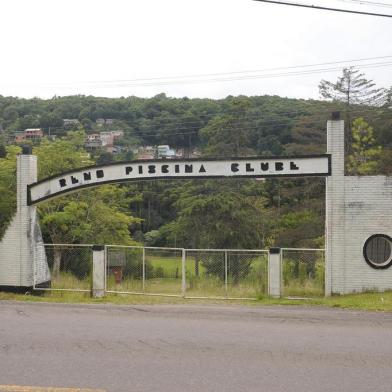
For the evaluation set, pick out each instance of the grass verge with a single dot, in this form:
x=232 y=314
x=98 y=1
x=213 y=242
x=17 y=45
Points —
x=364 y=301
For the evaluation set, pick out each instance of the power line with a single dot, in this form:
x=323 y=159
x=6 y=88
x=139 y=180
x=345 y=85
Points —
x=246 y=77
x=228 y=79
x=225 y=76
x=249 y=116
x=324 y=8
x=168 y=78
x=263 y=125
x=371 y=3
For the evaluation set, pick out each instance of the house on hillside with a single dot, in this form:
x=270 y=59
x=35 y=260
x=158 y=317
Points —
x=71 y=122
x=93 y=142
x=107 y=138
x=145 y=152
x=33 y=134
x=118 y=134
x=165 y=152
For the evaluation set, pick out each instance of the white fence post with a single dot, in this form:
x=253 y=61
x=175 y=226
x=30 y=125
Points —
x=183 y=273
x=274 y=272
x=98 y=290
x=226 y=270
x=144 y=269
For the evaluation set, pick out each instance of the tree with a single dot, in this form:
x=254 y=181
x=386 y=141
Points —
x=385 y=164
x=227 y=135
x=99 y=215
x=352 y=88
x=7 y=187
x=216 y=215
x=365 y=152
x=388 y=98
x=3 y=151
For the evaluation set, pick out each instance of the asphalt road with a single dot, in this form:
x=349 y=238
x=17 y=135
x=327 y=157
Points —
x=194 y=348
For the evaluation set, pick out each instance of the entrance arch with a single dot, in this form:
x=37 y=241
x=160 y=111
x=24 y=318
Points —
x=357 y=208
x=257 y=167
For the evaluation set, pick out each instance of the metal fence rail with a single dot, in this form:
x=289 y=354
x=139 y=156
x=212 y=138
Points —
x=303 y=272
x=191 y=273
x=70 y=267
x=188 y=273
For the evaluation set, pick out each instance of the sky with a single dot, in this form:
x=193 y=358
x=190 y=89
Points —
x=105 y=48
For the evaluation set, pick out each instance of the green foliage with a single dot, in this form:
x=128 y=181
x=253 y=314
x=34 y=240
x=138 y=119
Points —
x=352 y=88
x=99 y=215
x=7 y=187
x=365 y=152
x=225 y=135
x=152 y=237
x=191 y=213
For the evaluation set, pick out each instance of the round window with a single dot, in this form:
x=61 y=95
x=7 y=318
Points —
x=378 y=251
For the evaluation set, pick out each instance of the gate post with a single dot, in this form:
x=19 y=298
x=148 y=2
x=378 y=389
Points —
x=274 y=272
x=98 y=290
x=183 y=273
x=335 y=230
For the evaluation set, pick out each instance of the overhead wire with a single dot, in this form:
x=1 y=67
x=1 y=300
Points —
x=169 y=78
x=263 y=125
x=367 y=3
x=250 y=116
x=316 y=7
x=243 y=77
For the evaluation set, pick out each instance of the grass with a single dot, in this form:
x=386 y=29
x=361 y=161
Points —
x=364 y=301
x=297 y=282
x=163 y=276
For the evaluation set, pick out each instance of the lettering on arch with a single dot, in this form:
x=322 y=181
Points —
x=257 y=167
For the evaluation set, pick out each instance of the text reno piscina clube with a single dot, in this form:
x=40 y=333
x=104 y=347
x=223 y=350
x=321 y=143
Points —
x=247 y=168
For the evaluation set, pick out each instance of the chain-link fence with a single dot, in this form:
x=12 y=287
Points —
x=191 y=273
x=303 y=272
x=144 y=270
x=226 y=273
x=70 y=267
x=187 y=272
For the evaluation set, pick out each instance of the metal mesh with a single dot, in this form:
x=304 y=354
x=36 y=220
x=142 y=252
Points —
x=247 y=274
x=124 y=269
x=138 y=270
x=226 y=273
x=205 y=273
x=303 y=272
x=70 y=267
x=163 y=271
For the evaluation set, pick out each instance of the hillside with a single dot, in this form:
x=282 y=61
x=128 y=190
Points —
x=241 y=213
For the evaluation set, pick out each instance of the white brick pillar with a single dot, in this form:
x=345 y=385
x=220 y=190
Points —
x=22 y=242
x=274 y=272
x=335 y=206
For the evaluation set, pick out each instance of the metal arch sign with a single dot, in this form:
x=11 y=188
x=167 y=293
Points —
x=298 y=166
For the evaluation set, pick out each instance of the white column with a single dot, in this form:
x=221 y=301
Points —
x=274 y=272
x=183 y=273
x=22 y=254
x=335 y=196
x=26 y=215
